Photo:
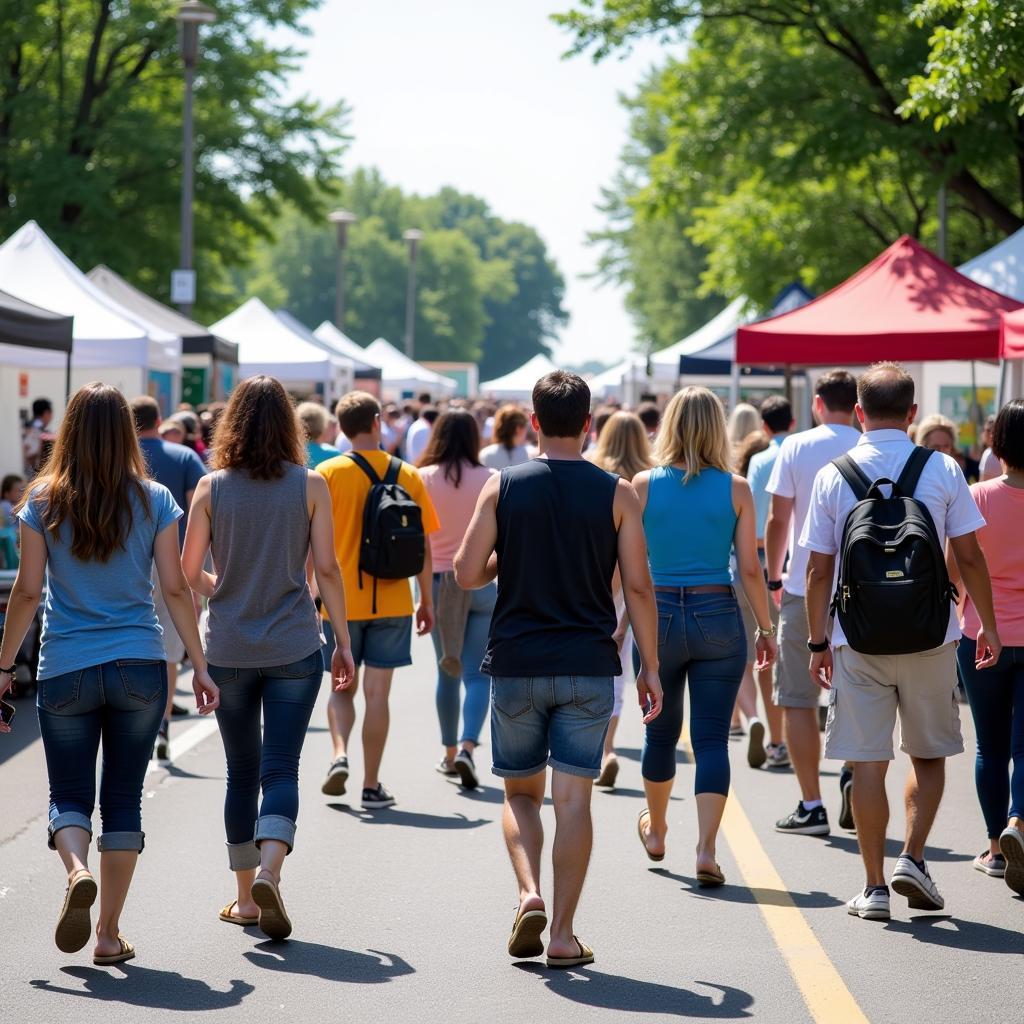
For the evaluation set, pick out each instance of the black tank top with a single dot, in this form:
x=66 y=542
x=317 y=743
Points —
x=557 y=549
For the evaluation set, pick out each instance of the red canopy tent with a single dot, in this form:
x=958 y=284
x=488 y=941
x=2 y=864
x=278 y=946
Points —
x=1011 y=335
x=906 y=304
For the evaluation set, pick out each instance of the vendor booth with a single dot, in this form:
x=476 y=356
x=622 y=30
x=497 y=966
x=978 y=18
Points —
x=625 y=382
x=367 y=376
x=402 y=377
x=517 y=386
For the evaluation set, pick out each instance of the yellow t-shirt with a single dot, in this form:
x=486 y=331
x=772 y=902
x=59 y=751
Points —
x=349 y=487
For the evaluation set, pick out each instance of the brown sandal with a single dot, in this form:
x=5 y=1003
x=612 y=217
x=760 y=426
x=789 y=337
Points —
x=643 y=839
x=274 y=921
x=245 y=922
x=74 y=926
x=127 y=953
x=525 y=940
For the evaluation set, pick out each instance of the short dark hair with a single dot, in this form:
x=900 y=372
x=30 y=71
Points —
x=777 y=414
x=1008 y=434
x=146 y=413
x=650 y=415
x=561 y=403
x=40 y=406
x=429 y=413
x=886 y=392
x=356 y=412
x=423 y=398
x=9 y=481
x=838 y=390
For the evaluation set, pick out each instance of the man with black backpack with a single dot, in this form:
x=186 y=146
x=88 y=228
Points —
x=382 y=514
x=884 y=513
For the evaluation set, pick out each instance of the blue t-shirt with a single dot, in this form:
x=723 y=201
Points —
x=319 y=451
x=97 y=612
x=178 y=468
x=758 y=474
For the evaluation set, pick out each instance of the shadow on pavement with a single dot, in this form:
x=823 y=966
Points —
x=633 y=754
x=410 y=819
x=482 y=794
x=946 y=930
x=143 y=986
x=893 y=848
x=744 y=894
x=615 y=992
x=329 y=962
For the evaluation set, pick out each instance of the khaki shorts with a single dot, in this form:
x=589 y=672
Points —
x=869 y=690
x=750 y=623
x=174 y=649
x=794 y=687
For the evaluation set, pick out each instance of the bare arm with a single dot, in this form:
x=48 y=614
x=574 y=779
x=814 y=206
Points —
x=23 y=602
x=476 y=562
x=820 y=574
x=197 y=541
x=776 y=535
x=751 y=574
x=425 y=609
x=974 y=571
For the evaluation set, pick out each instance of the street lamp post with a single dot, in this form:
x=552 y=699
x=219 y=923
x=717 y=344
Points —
x=341 y=219
x=412 y=238
x=191 y=14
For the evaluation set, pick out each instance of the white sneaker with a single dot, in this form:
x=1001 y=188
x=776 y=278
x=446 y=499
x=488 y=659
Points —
x=917 y=885
x=870 y=905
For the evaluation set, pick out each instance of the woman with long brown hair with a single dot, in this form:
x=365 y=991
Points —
x=261 y=513
x=91 y=526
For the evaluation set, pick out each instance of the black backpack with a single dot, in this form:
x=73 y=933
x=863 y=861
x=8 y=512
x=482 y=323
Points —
x=893 y=591
x=393 y=545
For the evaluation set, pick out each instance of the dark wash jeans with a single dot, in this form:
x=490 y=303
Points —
x=701 y=644
x=121 y=703
x=284 y=695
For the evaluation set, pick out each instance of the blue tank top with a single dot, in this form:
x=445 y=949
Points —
x=689 y=527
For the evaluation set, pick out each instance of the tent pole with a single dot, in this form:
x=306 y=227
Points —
x=734 y=385
x=789 y=383
x=1001 y=393
x=67 y=379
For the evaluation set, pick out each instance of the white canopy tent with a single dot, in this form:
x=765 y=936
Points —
x=625 y=381
x=665 y=364
x=266 y=344
x=401 y=377
x=341 y=342
x=519 y=383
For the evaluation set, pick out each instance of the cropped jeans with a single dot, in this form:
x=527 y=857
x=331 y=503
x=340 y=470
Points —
x=120 y=704
x=284 y=695
x=701 y=644
x=996 y=696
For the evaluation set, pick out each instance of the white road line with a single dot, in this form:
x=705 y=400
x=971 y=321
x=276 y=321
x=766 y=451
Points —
x=187 y=740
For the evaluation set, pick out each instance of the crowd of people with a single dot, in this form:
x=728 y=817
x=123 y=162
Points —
x=557 y=553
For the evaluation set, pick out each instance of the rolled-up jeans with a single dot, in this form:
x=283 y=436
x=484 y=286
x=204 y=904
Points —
x=284 y=695
x=120 y=703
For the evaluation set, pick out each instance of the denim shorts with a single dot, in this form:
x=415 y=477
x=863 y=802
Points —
x=559 y=721
x=377 y=643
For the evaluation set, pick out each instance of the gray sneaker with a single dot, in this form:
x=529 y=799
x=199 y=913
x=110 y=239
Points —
x=778 y=756
x=1011 y=843
x=916 y=884
x=870 y=905
x=337 y=776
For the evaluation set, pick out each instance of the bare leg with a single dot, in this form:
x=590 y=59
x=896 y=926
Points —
x=272 y=855
x=341 y=717
x=710 y=808
x=245 y=906
x=524 y=835
x=871 y=813
x=746 y=699
x=925 y=783
x=574 y=836
x=116 y=870
x=658 y=794
x=609 y=737
x=377 y=721
x=804 y=741
x=772 y=712
x=73 y=846
x=172 y=685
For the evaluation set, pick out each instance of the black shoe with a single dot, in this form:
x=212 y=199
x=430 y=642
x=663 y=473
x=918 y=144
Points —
x=375 y=798
x=162 y=750
x=337 y=776
x=846 y=807
x=466 y=769
x=803 y=822
x=177 y=711
x=822 y=717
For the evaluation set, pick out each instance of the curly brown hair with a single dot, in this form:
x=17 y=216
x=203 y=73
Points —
x=258 y=431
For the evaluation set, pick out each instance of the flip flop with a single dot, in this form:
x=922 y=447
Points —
x=525 y=940
x=127 y=953
x=74 y=926
x=609 y=773
x=643 y=841
x=586 y=957
x=273 y=921
x=711 y=879
x=245 y=922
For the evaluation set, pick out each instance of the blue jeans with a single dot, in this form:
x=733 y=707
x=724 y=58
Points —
x=701 y=643
x=474 y=644
x=122 y=703
x=996 y=696
x=285 y=695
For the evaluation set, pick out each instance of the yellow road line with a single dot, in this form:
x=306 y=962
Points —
x=822 y=987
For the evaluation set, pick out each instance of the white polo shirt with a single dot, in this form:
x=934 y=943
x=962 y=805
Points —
x=800 y=458
x=883 y=453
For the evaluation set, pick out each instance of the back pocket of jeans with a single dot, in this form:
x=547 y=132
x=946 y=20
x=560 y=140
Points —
x=60 y=692
x=308 y=666
x=513 y=697
x=721 y=628
x=593 y=695
x=143 y=681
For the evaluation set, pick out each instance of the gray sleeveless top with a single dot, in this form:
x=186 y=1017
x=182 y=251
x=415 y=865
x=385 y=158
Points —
x=261 y=614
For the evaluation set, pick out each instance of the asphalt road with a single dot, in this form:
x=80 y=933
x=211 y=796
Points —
x=402 y=915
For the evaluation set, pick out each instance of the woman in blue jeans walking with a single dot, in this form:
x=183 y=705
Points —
x=91 y=526
x=452 y=473
x=695 y=512
x=260 y=513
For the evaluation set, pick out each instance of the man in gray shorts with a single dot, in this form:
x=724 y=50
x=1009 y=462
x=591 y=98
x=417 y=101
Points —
x=800 y=458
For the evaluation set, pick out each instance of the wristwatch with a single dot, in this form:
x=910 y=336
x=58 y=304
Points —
x=758 y=631
x=774 y=585
x=8 y=671
x=817 y=648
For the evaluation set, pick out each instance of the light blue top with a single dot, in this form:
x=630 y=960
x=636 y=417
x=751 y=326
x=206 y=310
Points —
x=689 y=527
x=758 y=474
x=97 y=612
x=320 y=451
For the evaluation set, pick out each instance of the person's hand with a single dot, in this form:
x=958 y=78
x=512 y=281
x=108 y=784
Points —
x=776 y=596
x=767 y=651
x=424 y=619
x=989 y=648
x=343 y=668
x=6 y=682
x=820 y=668
x=648 y=688
x=206 y=690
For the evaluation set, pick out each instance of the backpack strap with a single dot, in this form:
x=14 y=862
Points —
x=365 y=466
x=907 y=482
x=853 y=475
x=394 y=468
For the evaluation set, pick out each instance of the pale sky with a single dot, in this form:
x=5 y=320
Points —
x=473 y=94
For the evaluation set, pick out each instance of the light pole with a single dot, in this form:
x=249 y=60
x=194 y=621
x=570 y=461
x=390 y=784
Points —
x=191 y=14
x=341 y=219
x=412 y=238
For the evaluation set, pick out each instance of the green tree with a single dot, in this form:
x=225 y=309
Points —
x=90 y=132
